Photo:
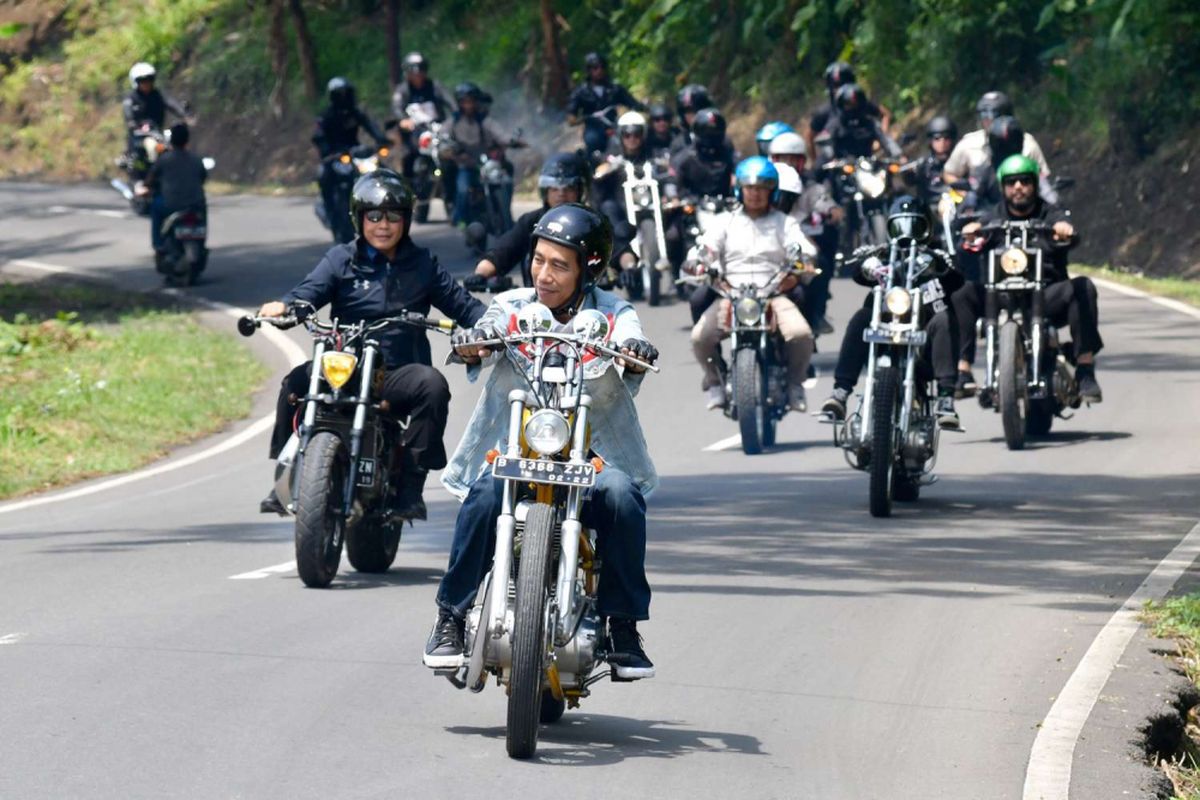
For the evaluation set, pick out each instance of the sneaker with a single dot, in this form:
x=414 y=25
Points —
x=1089 y=389
x=444 y=650
x=797 y=400
x=408 y=502
x=271 y=505
x=966 y=385
x=835 y=406
x=824 y=327
x=625 y=653
x=947 y=417
x=714 y=397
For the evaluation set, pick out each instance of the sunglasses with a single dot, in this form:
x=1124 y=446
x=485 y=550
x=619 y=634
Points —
x=631 y=135
x=1024 y=180
x=379 y=214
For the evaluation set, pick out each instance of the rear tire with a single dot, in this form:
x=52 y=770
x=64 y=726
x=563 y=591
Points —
x=748 y=400
x=1012 y=386
x=529 y=645
x=883 y=441
x=651 y=277
x=319 y=523
x=192 y=262
x=371 y=546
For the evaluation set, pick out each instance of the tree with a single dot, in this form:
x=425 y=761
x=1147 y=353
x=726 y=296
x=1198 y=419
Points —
x=392 y=31
x=555 y=84
x=305 y=50
x=278 y=52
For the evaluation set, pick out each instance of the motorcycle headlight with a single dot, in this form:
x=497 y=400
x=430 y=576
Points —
x=366 y=165
x=748 y=311
x=547 y=432
x=1014 y=261
x=898 y=301
x=337 y=367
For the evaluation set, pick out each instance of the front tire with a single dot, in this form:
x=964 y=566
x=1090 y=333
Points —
x=748 y=400
x=1012 y=394
x=319 y=522
x=883 y=441
x=1039 y=418
x=192 y=261
x=529 y=645
x=372 y=546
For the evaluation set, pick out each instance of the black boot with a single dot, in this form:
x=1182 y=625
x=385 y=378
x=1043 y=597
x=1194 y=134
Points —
x=271 y=503
x=625 y=654
x=408 y=502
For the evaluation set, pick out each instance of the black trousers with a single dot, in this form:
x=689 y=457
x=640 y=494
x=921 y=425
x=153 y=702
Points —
x=1072 y=303
x=940 y=349
x=415 y=390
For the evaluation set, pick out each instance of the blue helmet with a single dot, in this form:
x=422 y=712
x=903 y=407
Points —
x=757 y=171
x=768 y=132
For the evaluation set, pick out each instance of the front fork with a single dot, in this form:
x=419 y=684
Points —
x=1038 y=303
x=310 y=419
x=366 y=377
x=872 y=361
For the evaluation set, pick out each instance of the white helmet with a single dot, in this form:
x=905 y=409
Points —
x=788 y=144
x=140 y=71
x=631 y=119
x=789 y=179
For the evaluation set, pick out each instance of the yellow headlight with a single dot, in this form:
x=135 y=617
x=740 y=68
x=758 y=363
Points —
x=338 y=367
x=898 y=301
x=1014 y=261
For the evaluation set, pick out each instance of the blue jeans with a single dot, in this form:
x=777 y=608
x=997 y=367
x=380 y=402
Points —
x=614 y=508
x=466 y=180
x=158 y=215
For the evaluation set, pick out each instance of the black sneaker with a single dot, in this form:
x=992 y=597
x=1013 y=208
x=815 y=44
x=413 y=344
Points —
x=947 y=417
x=1089 y=389
x=444 y=650
x=271 y=505
x=966 y=385
x=835 y=406
x=408 y=502
x=625 y=653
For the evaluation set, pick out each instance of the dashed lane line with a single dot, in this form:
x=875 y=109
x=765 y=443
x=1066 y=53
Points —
x=725 y=444
x=265 y=572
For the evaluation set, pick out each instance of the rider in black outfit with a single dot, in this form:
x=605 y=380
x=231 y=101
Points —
x=853 y=130
x=337 y=131
x=689 y=101
x=594 y=104
x=145 y=104
x=360 y=282
x=941 y=133
x=418 y=87
x=563 y=179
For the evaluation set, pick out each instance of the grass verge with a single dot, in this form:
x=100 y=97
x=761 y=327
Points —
x=1182 y=289
x=95 y=381
x=1178 y=618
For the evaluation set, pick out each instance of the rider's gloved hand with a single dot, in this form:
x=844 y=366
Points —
x=475 y=283
x=640 y=349
x=465 y=342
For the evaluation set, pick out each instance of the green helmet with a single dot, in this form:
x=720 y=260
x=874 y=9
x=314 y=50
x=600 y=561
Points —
x=1017 y=165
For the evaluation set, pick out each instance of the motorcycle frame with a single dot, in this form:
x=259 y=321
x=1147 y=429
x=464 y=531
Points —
x=1033 y=325
x=633 y=212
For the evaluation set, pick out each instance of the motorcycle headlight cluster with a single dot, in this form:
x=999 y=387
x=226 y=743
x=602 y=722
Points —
x=366 y=165
x=337 y=367
x=1014 y=261
x=872 y=184
x=547 y=432
x=748 y=311
x=898 y=301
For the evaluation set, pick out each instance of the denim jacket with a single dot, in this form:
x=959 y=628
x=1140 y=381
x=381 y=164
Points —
x=616 y=432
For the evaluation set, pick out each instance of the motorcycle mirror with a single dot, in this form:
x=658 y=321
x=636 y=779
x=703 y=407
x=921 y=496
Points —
x=247 y=326
x=591 y=324
x=534 y=318
x=871 y=267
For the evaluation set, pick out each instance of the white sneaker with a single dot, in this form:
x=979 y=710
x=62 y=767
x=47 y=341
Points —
x=797 y=400
x=715 y=397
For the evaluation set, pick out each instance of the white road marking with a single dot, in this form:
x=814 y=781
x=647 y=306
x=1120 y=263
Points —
x=265 y=572
x=1048 y=776
x=290 y=350
x=725 y=444
x=98 y=212
x=12 y=638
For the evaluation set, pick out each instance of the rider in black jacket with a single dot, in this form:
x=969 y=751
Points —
x=146 y=105
x=564 y=179
x=380 y=274
x=594 y=104
x=337 y=131
x=852 y=130
x=1068 y=301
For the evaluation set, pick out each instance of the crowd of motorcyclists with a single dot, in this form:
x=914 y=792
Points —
x=725 y=221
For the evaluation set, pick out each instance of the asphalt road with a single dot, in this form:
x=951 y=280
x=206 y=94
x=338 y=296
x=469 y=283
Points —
x=804 y=649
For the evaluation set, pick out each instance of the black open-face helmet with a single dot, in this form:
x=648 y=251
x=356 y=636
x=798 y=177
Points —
x=708 y=129
x=941 y=126
x=341 y=93
x=468 y=89
x=692 y=98
x=595 y=60
x=909 y=219
x=382 y=189
x=585 y=231
x=562 y=171
x=415 y=62
x=851 y=99
x=659 y=111
x=1005 y=138
x=992 y=105
x=838 y=74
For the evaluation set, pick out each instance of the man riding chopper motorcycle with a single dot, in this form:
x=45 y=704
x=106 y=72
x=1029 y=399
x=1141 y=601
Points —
x=1068 y=301
x=751 y=244
x=594 y=102
x=418 y=88
x=971 y=151
x=337 y=131
x=908 y=219
x=689 y=101
x=473 y=136
x=382 y=273
x=571 y=248
x=563 y=179
x=608 y=196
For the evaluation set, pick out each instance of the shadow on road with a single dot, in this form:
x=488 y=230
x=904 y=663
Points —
x=596 y=740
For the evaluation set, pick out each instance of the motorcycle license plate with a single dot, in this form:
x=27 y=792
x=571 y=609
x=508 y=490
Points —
x=191 y=232
x=916 y=338
x=366 y=472
x=534 y=470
